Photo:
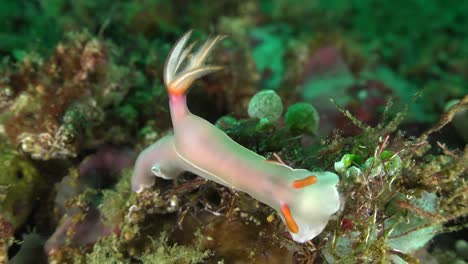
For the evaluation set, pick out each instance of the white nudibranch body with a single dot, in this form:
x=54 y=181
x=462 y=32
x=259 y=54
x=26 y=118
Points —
x=305 y=200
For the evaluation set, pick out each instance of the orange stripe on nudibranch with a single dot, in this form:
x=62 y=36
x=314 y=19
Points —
x=304 y=182
x=290 y=222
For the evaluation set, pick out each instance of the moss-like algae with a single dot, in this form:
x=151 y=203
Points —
x=20 y=182
x=158 y=252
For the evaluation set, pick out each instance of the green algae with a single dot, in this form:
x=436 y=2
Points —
x=269 y=54
x=19 y=184
x=266 y=105
x=158 y=252
x=115 y=200
x=176 y=254
x=302 y=118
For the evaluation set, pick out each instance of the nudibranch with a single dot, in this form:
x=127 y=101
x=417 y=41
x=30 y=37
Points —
x=305 y=200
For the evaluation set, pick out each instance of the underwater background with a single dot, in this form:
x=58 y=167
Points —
x=374 y=91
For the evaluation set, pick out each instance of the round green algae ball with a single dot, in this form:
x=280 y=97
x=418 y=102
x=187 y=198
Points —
x=266 y=105
x=302 y=118
x=226 y=122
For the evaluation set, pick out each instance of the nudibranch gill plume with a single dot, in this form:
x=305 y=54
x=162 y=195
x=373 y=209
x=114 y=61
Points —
x=305 y=200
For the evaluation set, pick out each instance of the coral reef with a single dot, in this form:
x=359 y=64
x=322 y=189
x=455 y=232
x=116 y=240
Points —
x=81 y=91
x=54 y=104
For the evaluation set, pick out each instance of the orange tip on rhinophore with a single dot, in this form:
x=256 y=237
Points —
x=173 y=91
x=290 y=222
x=304 y=182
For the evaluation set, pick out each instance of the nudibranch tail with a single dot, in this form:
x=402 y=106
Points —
x=177 y=82
x=159 y=159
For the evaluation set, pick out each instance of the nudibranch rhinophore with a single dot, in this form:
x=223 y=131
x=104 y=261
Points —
x=305 y=200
